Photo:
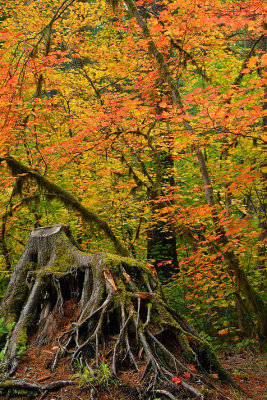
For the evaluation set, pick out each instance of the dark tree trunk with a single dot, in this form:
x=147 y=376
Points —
x=117 y=297
x=161 y=236
x=161 y=248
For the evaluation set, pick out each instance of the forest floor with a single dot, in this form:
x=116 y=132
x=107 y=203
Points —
x=248 y=369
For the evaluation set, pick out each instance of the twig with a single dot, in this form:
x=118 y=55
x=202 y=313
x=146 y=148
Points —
x=131 y=354
x=145 y=371
x=117 y=344
x=44 y=394
x=165 y=393
x=175 y=361
x=193 y=390
x=78 y=397
x=44 y=378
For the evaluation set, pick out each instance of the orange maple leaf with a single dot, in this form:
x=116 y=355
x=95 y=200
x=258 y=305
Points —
x=186 y=374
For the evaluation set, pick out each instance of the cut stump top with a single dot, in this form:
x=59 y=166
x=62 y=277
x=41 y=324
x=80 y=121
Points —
x=49 y=230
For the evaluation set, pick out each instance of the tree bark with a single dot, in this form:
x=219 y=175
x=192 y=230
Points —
x=161 y=237
x=118 y=300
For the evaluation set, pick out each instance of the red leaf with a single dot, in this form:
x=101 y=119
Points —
x=20 y=371
x=176 y=380
x=186 y=374
x=192 y=367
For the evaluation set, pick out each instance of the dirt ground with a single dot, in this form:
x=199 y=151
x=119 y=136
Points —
x=248 y=369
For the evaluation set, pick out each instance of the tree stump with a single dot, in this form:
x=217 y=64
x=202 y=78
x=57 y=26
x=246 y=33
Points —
x=120 y=308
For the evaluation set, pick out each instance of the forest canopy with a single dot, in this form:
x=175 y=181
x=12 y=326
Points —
x=142 y=125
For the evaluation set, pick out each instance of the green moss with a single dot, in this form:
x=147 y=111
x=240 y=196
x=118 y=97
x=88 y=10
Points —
x=6 y=384
x=10 y=386
x=163 y=317
x=22 y=339
x=136 y=269
x=64 y=260
x=28 y=393
x=19 y=295
x=131 y=263
x=210 y=361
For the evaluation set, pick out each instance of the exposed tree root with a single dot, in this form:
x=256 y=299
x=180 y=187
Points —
x=31 y=386
x=121 y=315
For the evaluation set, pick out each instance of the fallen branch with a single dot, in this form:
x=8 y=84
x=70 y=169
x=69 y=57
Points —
x=166 y=393
x=193 y=390
x=16 y=384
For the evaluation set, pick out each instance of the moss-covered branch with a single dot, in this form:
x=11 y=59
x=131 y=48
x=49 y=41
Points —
x=51 y=188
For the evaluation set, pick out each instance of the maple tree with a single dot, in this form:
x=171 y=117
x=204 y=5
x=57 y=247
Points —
x=154 y=117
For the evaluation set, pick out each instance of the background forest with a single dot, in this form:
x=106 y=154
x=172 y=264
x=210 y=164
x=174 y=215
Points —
x=142 y=125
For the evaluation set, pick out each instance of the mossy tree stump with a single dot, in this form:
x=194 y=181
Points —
x=121 y=307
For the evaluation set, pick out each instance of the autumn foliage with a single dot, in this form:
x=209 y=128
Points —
x=117 y=105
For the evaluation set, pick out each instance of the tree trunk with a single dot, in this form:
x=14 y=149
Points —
x=120 y=308
x=161 y=237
